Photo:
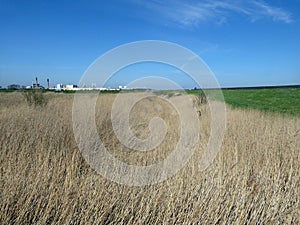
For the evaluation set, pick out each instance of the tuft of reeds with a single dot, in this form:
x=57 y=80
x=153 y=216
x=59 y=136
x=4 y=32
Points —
x=35 y=97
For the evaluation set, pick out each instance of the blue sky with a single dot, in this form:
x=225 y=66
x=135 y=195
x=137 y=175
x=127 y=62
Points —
x=244 y=43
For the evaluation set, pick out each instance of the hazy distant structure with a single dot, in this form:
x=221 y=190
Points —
x=70 y=87
x=48 y=83
x=36 y=85
x=58 y=87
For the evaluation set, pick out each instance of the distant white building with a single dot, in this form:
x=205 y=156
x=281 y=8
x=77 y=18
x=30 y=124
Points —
x=58 y=87
x=73 y=87
x=69 y=87
x=122 y=87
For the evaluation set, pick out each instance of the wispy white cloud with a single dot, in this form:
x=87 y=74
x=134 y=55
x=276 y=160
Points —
x=193 y=13
x=276 y=14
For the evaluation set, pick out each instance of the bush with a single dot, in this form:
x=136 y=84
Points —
x=35 y=97
x=202 y=98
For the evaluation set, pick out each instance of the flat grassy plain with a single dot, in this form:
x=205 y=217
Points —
x=44 y=179
x=278 y=100
x=282 y=100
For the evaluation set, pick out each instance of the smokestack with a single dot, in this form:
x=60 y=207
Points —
x=48 y=84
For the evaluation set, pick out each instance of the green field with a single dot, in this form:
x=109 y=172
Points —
x=280 y=100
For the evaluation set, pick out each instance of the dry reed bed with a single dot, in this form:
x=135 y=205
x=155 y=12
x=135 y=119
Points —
x=44 y=179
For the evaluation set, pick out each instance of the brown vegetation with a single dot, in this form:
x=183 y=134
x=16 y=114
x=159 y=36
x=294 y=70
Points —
x=44 y=179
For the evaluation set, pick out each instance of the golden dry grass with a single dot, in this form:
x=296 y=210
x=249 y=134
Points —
x=255 y=179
